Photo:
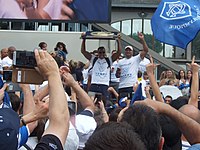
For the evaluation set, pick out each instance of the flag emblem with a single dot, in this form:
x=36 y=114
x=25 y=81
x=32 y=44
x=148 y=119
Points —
x=175 y=10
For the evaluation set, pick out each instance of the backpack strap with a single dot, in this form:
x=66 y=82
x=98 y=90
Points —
x=95 y=59
x=108 y=62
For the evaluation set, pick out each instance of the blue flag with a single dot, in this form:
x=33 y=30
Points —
x=138 y=94
x=176 y=22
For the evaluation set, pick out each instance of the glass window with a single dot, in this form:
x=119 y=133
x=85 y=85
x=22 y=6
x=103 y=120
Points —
x=29 y=26
x=169 y=51
x=196 y=46
x=16 y=26
x=71 y=27
x=84 y=27
x=180 y=53
x=116 y=25
x=43 y=28
x=4 y=25
x=147 y=26
x=126 y=27
x=137 y=25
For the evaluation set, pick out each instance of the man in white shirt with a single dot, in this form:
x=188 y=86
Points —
x=128 y=68
x=142 y=65
x=100 y=68
x=8 y=61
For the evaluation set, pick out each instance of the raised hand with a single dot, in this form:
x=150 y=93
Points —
x=140 y=36
x=151 y=66
x=193 y=66
x=46 y=64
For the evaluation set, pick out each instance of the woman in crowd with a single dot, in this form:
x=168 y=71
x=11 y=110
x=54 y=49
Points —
x=61 y=50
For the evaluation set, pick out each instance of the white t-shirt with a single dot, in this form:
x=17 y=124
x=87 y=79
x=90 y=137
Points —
x=113 y=72
x=1 y=68
x=11 y=9
x=100 y=71
x=142 y=65
x=7 y=62
x=85 y=75
x=129 y=70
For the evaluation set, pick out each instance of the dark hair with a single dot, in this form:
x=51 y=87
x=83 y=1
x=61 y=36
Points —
x=39 y=130
x=171 y=133
x=179 y=74
x=114 y=136
x=114 y=114
x=145 y=73
x=41 y=44
x=139 y=74
x=145 y=121
x=59 y=61
x=168 y=96
x=15 y=101
x=63 y=45
x=100 y=48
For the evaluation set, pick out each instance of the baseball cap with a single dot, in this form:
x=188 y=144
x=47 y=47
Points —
x=129 y=47
x=9 y=128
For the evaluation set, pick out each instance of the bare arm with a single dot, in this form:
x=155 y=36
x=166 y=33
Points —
x=29 y=104
x=103 y=111
x=84 y=99
x=195 y=85
x=58 y=107
x=145 y=47
x=83 y=49
x=189 y=127
x=146 y=89
x=150 y=71
x=116 y=55
x=2 y=90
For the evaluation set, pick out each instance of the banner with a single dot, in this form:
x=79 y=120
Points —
x=176 y=22
x=80 y=11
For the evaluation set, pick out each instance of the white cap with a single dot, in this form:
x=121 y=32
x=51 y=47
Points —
x=129 y=47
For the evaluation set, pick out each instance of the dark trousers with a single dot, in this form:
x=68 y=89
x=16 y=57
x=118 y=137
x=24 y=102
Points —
x=126 y=92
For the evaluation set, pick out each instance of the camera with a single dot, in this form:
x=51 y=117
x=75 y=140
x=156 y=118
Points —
x=24 y=71
x=24 y=59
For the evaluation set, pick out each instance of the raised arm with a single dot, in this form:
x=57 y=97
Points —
x=195 y=85
x=145 y=47
x=150 y=71
x=84 y=99
x=58 y=107
x=189 y=127
x=29 y=104
x=83 y=48
x=116 y=55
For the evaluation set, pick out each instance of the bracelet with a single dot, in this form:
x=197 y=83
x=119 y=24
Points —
x=23 y=122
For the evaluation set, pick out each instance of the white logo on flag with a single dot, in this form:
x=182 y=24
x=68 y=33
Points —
x=175 y=10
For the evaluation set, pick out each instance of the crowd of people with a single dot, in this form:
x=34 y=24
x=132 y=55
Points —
x=108 y=102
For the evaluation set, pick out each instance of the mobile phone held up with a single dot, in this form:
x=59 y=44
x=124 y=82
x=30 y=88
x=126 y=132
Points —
x=24 y=59
x=98 y=98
